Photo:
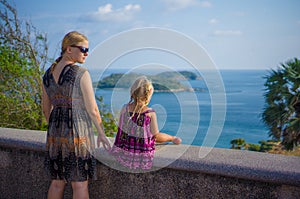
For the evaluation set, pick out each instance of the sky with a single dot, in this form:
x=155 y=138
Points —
x=236 y=34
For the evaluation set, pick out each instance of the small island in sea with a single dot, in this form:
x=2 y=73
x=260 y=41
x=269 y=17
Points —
x=170 y=81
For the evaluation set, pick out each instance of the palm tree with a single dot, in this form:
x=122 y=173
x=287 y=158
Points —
x=238 y=143
x=282 y=104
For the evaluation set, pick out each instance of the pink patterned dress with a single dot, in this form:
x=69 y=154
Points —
x=134 y=144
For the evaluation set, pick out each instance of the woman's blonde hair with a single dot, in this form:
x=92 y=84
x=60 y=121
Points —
x=71 y=38
x=140 y=93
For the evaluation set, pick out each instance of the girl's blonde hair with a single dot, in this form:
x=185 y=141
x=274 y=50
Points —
x=71 y=38
x=140 y=93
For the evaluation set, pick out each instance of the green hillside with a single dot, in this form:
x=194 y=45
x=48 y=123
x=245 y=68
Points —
x=165 y=81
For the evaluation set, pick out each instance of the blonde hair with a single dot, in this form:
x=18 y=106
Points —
x=71 y=38
x=140 y=93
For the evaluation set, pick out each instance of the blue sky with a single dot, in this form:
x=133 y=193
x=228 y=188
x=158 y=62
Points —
x=237 y=34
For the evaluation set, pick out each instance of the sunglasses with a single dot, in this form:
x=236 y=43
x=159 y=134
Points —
x=82 y=49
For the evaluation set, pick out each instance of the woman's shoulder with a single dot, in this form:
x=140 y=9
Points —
x=80 y=69
x=47 y=72
x=46 y=77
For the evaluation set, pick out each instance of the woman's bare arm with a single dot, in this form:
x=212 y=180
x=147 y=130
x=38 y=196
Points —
x=46 y=104
x=92 y=108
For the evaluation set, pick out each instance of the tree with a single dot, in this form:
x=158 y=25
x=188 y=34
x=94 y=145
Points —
x=282 y=105
x=108 y=120
x=23 y=57
x=238 y=143
x=266 y=146
x=253 y=147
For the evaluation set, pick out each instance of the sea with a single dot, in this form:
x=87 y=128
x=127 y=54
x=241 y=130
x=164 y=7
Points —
x=195 y=117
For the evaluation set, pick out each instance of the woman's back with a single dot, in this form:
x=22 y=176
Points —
x=70 y=134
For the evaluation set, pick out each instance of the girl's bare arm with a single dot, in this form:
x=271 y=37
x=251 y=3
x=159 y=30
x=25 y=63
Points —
x=159 y=136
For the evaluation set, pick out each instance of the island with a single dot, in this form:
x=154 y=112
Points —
x=170 y=81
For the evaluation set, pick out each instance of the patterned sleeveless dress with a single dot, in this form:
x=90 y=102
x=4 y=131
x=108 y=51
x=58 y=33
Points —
x=70 y=137
x=134 y=144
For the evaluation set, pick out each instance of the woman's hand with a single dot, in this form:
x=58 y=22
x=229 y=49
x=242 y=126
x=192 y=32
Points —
x=106 y=144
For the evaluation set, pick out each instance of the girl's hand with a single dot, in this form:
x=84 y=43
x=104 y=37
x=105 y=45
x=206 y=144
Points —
x=106 y=144
x=177 y=140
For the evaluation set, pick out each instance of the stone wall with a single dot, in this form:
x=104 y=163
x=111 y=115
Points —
x=222 y=173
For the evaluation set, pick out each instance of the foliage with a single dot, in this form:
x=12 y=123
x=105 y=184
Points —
x=278 y=150
x=181 y=75
x=23 y=52
x=23 y=57
x=263 y=146
x=266 y=146
x=118 y=80
x=272 y=146
x=166 y=84
x=238 y=143
x=108 y=120
x=253 y=147
x=282 y=105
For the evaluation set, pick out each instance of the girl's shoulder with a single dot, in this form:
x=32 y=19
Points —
x=129 y=108
x=149 y=110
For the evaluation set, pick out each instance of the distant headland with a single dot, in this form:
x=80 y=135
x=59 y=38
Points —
x=170 y=81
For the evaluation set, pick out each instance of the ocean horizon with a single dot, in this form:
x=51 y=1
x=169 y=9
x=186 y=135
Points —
x=189 y=114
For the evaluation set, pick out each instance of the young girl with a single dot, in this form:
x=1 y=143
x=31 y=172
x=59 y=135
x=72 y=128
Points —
x=138 y=131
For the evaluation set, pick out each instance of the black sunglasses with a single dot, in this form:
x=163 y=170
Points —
x=82 y=49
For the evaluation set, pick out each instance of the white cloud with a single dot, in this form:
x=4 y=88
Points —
x=107 y=13
x=174 y=5
x=227 y=33
x=105 y=9
x=213 y=21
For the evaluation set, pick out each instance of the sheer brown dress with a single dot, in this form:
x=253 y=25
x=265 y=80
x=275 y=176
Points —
x=70 y=138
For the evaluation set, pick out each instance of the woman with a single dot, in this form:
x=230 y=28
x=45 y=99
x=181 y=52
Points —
x=70 y=109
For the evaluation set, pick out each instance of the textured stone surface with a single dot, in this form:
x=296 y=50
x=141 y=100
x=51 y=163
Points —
x=223 y=173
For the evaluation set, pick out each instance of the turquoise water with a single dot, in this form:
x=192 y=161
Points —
x=188 y=114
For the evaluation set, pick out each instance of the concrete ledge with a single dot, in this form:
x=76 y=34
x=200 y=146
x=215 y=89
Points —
x=242 y=164
x=220 y=174
x=23 y=139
